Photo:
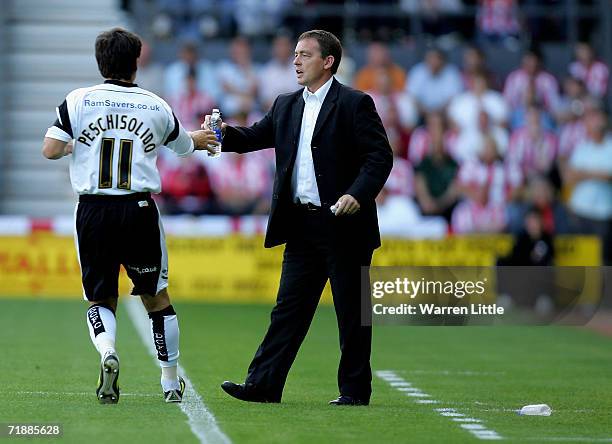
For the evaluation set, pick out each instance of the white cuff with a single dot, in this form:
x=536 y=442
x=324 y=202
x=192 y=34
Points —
x=54 y=132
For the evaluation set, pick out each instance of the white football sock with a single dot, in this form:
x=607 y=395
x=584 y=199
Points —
x=165 y=334
x=102 y=326
x=169 y=378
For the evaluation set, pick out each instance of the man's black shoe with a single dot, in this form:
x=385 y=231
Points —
x=246 y=392
x=348 y=400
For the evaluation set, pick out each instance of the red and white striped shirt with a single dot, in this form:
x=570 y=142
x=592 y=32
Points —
x=247 y=176
x=190 y=108
x=572 y=133
x=498 y=17
x=534 y=154
x=420 y=144
x=472 y=217
x=595 y=77
x=401 y=179
x=500 y=178
x=546 y=89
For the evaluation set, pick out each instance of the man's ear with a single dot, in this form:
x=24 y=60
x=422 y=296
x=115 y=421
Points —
x=329 y=62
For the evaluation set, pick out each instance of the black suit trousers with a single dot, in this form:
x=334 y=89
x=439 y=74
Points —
x=311 y=257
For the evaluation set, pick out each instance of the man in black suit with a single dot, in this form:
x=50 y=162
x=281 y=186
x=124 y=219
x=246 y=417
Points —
x=332 y=159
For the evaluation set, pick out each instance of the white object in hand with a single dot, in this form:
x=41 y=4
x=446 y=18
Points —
x=333 y=209
x=215 y=125
x=536 y=410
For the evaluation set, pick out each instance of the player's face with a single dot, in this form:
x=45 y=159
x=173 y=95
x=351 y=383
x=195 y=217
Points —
x=310 y=66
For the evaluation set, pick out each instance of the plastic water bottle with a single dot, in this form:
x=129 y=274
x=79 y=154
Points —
x=215 y=125
x=535 y=410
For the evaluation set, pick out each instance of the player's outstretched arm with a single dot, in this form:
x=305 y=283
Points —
x=204 y=140
x=55 y=149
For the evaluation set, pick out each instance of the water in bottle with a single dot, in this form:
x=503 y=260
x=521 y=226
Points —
x=215 y=125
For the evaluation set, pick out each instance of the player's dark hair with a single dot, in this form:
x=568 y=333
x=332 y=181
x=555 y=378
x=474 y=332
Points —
x=328 y=43
x=117 y=51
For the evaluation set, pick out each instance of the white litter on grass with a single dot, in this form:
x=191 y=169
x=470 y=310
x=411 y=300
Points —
x=535 y=410
x=202 y=422
x=471 y=425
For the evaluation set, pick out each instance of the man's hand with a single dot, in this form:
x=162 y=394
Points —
x=206 y=124
x=203 y=138
x=346 y=205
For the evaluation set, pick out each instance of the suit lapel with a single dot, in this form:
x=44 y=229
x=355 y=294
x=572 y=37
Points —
x=296 y=118
x=328 y=105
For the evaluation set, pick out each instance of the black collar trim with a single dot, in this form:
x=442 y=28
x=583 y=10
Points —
x=120 y=83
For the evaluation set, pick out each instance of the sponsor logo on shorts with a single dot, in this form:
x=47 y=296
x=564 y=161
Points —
x=143 y=270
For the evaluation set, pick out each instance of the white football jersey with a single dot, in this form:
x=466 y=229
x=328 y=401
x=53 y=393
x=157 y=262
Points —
x=117 y=129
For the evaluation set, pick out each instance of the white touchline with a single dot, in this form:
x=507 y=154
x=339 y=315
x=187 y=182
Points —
x=471 y=425
x=568 y=439
x=202 y=422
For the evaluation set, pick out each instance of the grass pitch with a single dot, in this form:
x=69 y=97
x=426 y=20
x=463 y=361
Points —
x=49 y=372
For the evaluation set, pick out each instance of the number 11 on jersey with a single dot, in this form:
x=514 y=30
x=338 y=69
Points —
x=107 y=151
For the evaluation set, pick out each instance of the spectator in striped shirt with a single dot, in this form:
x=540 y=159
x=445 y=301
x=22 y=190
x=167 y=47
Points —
x=397 y=210
x=594 y=73
x=487 y=184
x=401 y=179
x=532 y=75
x=397 y=110
x=502 y=180
x=477 y=215
x=242 y=183
x=533 y=148
x=497 y=19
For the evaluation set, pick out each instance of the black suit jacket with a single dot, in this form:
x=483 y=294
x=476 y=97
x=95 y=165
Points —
x=350 y=151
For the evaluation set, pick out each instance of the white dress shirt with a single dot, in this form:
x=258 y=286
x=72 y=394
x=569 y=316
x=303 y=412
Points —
x=303 y=179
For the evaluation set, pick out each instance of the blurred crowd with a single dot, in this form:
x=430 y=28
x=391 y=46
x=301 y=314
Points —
x=492 y=20
x=527 y=154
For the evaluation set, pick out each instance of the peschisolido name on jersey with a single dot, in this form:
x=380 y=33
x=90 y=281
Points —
x=117 y=122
